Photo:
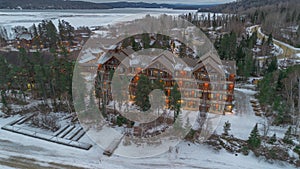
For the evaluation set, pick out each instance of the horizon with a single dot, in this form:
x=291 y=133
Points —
x=187 y=2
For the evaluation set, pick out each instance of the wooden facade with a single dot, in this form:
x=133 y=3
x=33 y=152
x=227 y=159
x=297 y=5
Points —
x=199 y=82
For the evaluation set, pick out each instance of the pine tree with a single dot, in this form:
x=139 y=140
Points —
x=270 y=39
x=226 y=128
x=61 y=30
x=254 y=139
x=248 y=65
x=142 y=91
x=51 y=34
x=214 y=23
x=273 y=139
x=273 y=65
x=135 y=45
x=174 y=98
x=70 y=32
x=158 y=84
x=146 y=41
x=34 y=31
x=3 y=73
x=288 y=136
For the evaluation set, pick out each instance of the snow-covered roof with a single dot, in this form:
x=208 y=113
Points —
x=119 y=54
x=86 y=58
x=169 y=61
x=25 y=36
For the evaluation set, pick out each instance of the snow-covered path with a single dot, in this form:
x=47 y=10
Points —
x=243 y=119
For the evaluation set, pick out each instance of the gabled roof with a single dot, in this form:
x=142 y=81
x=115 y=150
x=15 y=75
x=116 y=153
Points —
x=25 y=36
x=209 y=63
x=172 y=62
x=209 y=59
x=212 y=56
x=166 y=59
x=119 y=54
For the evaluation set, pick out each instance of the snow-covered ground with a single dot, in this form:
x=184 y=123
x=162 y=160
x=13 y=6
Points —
x=18 y=151
x=243 y=119
x=45 y=154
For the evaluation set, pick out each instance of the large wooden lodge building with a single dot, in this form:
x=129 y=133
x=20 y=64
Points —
x=206 y=84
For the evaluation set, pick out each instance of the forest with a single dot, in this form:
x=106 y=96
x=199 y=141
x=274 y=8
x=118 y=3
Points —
x=39 y=75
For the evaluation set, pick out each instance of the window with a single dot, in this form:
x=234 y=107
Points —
x=229 y=108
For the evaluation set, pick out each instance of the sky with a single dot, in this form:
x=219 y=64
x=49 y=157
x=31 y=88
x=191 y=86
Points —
x=169 y=1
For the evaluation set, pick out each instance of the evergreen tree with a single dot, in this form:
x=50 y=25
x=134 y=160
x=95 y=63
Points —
x=142 y=91
x=158 y=84
x=36 y=39
x=254 y=139
x=246 y=67
x=135 y=45
x=174 y=98
x=226 y=128
x=273 y=139
x=227 y=46
x=232 y=46
x=70 y=32
x=61 y=30
x=214 y=21
x=270 y=39
x=273 y=65
x=146 y=41
x=34 y=31
x=3 y=73
x=51 y=34
x=288 y=136
x=5 y=106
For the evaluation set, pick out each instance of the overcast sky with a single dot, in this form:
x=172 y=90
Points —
x=169 y=1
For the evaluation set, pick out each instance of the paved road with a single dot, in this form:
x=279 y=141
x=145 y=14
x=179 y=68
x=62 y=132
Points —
x=288 y=50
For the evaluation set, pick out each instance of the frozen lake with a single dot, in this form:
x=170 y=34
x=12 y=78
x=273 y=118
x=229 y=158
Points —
x=77 y=18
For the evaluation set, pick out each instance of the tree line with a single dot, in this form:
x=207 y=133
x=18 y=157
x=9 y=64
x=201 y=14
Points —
x=279 y=95
x=32 y=75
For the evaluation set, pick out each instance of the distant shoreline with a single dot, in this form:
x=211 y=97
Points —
x=84 y=5
x=91 y=10
x=37 y=9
